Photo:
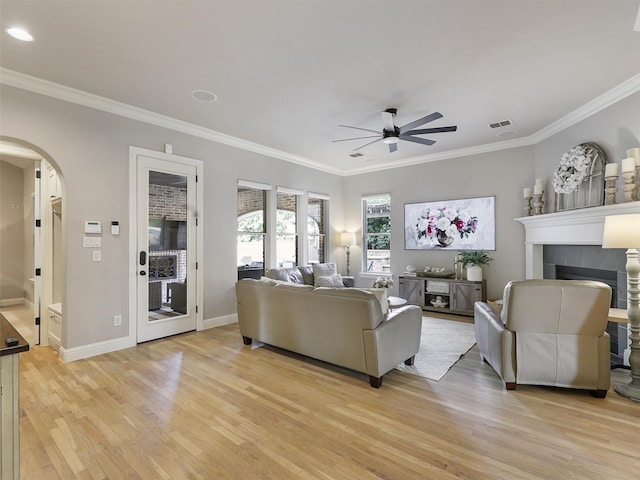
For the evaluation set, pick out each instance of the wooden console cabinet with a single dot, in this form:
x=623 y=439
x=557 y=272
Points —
x=459 y=295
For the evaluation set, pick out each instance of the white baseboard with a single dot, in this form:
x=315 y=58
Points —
x=219 y=321
x=11 y=301
x=93 y=349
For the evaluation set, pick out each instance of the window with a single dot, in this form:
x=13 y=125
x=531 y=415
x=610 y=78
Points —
x=251 y=213
x=377 y=228
x=317 y=207
x=286 y=228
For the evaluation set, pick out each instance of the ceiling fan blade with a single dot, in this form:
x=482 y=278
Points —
x=426 y=131
x=387 y=121
x=355 y=138
x=393 y=147
x=358 y=128
x=366 y=144
x=421 y=121
x=424 y=141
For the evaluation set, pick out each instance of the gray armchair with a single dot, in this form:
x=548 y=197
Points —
x=550 y=332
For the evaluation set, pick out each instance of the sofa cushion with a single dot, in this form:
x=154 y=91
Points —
x=323 y=270
x=330 y=281
x=298 y=287
x=291 y=275
x=307 y=274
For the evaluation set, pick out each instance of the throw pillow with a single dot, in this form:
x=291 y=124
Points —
x=307 y=274
x=323 y=270
x=330 y=281
x=381 y=294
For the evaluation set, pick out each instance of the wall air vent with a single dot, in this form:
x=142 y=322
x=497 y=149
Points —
x=356 y=155
x=502 y=123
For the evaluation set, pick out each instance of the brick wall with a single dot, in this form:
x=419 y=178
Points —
x=167 y=202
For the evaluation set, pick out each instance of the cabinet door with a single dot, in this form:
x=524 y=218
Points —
x=465 y=295
x=412 y=290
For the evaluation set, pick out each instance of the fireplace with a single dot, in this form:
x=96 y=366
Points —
x=573 y=238
x=617 y=331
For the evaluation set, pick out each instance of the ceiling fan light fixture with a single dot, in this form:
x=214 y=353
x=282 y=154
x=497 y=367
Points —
x=390 y=139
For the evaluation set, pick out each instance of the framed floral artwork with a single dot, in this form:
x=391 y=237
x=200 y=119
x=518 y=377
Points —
x=465 y=224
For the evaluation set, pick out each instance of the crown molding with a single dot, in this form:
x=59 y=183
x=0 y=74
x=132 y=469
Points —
x=79 y=97
x=436 y=157
x=619 y=92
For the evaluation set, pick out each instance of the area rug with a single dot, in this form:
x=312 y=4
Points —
x=442 y=343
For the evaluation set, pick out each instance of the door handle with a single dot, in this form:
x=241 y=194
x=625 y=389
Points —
x=143 y=257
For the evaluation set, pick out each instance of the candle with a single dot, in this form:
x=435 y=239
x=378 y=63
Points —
x=537 y=190
x=628 y=165
x=611 y=170
x=634 y=153
x=527 y=192
x=540 y=181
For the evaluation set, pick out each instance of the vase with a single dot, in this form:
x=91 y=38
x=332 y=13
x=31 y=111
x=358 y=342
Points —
x=474 y=273
x=443 y=239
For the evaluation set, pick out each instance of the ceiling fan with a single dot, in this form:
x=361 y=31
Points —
x=391 y=134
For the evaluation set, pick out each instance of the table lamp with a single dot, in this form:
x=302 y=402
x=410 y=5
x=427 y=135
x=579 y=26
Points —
x=346 y=240
x=623 y=231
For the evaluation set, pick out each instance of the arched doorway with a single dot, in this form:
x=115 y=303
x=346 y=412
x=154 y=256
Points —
x=31 y=242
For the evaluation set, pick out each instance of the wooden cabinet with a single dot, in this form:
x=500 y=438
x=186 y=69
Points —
x=446 y=295
x=9 y=400
x=412 y=290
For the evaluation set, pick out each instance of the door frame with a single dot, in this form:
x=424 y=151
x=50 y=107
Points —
x=134 y=152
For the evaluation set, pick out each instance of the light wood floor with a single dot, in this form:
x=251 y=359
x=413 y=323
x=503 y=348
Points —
x=204 y=406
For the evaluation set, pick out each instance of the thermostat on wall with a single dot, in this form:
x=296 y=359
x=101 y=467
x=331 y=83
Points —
x=92 y=226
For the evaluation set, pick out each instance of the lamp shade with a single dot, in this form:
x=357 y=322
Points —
x=621 y=231
x=347 y=238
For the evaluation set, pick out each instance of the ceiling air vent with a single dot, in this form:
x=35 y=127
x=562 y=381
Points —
x=503 y=123
x=356 y=155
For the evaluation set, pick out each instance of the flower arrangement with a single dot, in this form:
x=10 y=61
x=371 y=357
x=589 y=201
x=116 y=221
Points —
x=574 y=167
x=444 y=224
x=383 y=282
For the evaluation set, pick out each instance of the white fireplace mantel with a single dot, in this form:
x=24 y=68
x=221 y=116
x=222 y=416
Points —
x=571 y=227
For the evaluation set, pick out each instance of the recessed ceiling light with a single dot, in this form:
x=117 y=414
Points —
x=20 y=34
x=204 y=96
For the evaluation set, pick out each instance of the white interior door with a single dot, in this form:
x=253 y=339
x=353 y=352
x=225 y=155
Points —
x=166 y=248
x=37 y=256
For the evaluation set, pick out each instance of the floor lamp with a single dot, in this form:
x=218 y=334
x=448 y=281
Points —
x=347 y=239
x=623 y=231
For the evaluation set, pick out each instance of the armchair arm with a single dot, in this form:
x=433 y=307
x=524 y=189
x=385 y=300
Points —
x=495 y=343
x=393 y=341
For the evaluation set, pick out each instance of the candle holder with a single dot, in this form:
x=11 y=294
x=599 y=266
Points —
x=528 y=210
x=610 y=189
x=629 y=186
x=538 y=202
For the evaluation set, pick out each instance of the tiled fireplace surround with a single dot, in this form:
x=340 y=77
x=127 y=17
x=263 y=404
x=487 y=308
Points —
x=574 y=238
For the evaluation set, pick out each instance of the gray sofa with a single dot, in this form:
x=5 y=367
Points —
x=343 y=326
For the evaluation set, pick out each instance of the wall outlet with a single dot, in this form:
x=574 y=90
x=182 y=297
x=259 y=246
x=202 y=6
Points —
x=97 y=256
x=117 y=320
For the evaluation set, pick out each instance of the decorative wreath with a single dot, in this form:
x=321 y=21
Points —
x=573 y=169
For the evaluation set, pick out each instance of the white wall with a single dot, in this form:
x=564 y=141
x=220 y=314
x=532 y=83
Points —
x=90 y=149
x=615 y=129
x=502 y=174
x=11 y=232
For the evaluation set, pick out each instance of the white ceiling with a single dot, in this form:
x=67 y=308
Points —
x=287 y=73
